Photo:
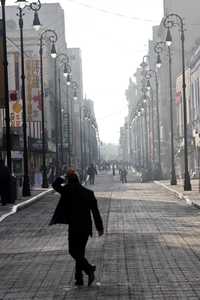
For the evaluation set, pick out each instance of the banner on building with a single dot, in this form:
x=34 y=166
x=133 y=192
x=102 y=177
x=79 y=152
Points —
x=33 y=90
x=16 y=113
x=2 y=79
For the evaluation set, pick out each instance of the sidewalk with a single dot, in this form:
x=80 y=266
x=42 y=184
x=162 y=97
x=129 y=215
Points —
x=21 y=202
x=191 y=197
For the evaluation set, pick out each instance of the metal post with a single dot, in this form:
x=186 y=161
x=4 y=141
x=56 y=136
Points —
x=56 y=118
x=89 y=141
x=198 y=161
x=173 y=172
x=44 y=169
x=26 y=182
x=158 y=128
x=146 y=139
x=143 y=142
x=72 y=145
x=139 y=143
x=152 y=122
x=68 y=129
x=60 y=123
x=84 y=146
x=6 y=92
x=81 y=140
x=187 y=183
x=168 y=23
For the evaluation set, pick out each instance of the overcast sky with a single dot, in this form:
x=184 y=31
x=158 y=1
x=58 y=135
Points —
x=113 y=37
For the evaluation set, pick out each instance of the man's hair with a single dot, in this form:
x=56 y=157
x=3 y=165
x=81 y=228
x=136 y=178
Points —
x=72 y=176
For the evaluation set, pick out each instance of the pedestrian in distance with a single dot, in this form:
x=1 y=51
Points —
x=5 y=183
x=123 y=175
x=92 y=171
x=75 y=208
x=113 y=169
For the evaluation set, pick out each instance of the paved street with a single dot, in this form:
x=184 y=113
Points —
x=150 y=250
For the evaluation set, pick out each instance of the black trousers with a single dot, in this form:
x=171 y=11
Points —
x=77 y=242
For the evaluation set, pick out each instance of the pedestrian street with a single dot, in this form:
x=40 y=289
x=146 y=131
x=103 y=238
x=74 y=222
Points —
x=150 y=249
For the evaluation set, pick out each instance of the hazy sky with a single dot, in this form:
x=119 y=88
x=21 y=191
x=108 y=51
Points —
x=113 y=37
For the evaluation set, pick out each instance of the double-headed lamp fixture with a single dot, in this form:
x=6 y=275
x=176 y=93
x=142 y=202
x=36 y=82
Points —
x=35 y=6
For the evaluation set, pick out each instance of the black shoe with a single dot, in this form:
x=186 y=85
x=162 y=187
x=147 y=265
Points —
x=91 y=276
x=79 y=282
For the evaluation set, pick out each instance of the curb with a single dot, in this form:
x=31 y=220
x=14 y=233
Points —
x=178 y=194
x=24 y=204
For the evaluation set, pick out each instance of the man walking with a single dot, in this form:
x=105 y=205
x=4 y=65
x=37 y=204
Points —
x=74 y=208
x=91 y=172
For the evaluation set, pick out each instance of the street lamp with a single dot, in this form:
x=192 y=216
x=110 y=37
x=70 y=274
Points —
x=158 y=48
x=67 y=75
x=64 y=59
x=148 y=75
x=6 y=92
x=145 y=67
x=51 y=36
x=87 y=117
x=74 y=85
x=35 y=6
x=143 y=111
x=170 y=21
x=139 y=129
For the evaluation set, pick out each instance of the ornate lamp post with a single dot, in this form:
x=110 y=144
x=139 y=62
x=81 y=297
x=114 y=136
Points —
x=150 y=146
x=68 y=83
x=144 y=111
x=158 y=48
x=140 y=139
x=6 y=92
x=64 y=59
x=134 y=145
x=87 y=117
x=35 y=6
x=148 y=76
x=75 y=97
x=51 y=36
x=170 y=21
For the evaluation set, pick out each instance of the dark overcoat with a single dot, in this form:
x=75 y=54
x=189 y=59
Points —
x=75 y=207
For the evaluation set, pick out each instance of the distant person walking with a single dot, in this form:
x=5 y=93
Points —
x=5 y=183
x=91 y=172
x=75 y=208
x=123 y=175
x=113 y=169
